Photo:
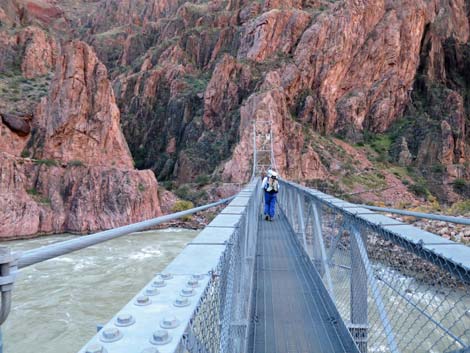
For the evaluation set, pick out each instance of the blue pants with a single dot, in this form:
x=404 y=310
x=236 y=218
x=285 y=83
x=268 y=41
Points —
x=269 y=204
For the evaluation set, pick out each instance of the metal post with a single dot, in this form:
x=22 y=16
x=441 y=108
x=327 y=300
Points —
x=273 y=160
x=255 y=162
x=362 y=253
x=359 y=312
x=325 y=266
x=7 y=277
x=301 y=219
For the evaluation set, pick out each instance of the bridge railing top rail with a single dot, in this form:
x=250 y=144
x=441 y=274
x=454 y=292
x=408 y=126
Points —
x=445 y=253
x=161 y=315
x=398 y=288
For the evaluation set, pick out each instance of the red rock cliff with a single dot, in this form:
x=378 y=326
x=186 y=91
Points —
x=80 y=178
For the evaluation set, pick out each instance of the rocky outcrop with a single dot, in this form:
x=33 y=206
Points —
x=405 y=157
x=118 y=13
x=353 y=70
x=13 y=133
x=274 y=31
x=39 y=52
x=80 y=177
x=80 y=120
x=37 y=197
x=294 y=158
x=229 y=82
x=18 y=124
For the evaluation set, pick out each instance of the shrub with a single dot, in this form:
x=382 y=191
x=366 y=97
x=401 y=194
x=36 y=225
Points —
x=461 y=207
x=75 y=163
x=47 y=162
x=419 y=190
x=32 y=191
x=202 y=179
x=182 y=192
x=438 y=168
x=460 y=186
x=167 y=184
x=182 y=205
x=25 y=153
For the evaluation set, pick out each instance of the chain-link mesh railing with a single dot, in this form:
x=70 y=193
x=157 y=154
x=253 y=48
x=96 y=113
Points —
x=394 y=294
x=221 y=320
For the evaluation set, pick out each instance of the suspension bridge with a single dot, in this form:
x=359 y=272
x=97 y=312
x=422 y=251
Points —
x=325 y=276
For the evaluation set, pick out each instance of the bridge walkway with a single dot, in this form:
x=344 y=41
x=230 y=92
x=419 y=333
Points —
x=293 y=313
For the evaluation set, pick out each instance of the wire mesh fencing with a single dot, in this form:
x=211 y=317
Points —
x=395 y=295
x=221 y=321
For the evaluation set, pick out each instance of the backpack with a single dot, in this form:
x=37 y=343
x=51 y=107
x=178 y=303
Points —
x=274 y=188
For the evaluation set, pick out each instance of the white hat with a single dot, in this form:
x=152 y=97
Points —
x=274 y=174
x=270 y=172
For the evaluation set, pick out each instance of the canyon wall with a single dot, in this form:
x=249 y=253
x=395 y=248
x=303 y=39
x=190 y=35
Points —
x=362 y=94
x=67 y=168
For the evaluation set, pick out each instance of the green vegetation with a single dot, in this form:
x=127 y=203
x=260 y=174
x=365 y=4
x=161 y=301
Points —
x=368 y=180
x=202 y=179
x=75 y=163
x=188 y=192
x=167 y=184
x=47 y=162
x=38 y=197
x=380 y=143
x=183 y=192
x=197 y=84
x=32 y=191
x=19 y=93
x=182 y=205
x=438 y=168
x=420 y=189
x=460 y=186
x=25 y=153
x=141 y=187
x=399 y=172
x=461 y=207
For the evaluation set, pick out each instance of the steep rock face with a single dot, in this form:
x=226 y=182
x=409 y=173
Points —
x=80 y=120
x=224 y=91
x=37 y=198
x=39 y=53
x=113 y=13
x=353 y=70
x=293 y=158
x=14 y=133
x=80 y=177
x=275 y=31
x=166 y=93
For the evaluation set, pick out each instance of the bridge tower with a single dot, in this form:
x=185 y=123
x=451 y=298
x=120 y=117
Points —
x=263 y=149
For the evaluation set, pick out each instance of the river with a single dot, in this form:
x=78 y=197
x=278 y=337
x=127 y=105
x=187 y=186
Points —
x=58 y=303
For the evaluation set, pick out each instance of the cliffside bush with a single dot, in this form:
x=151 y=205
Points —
x=460 y=186
x=183 y=205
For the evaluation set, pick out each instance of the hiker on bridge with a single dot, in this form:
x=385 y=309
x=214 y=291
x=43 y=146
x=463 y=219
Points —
x=271 y=188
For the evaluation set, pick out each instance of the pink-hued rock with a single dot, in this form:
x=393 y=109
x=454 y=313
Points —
x=80 y=118
x=273 y=31
x=11 y=142
x=44 y=10
x=294 y=159
x=39 y=53
x=167 y=201
x=82 y=177
x=223 y=92
x=36 y=198
x=18 y=124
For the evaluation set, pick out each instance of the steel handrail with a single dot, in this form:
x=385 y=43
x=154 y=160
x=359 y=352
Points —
x=44 y=253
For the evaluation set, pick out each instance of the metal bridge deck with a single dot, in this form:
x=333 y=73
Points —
x=293 y=313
